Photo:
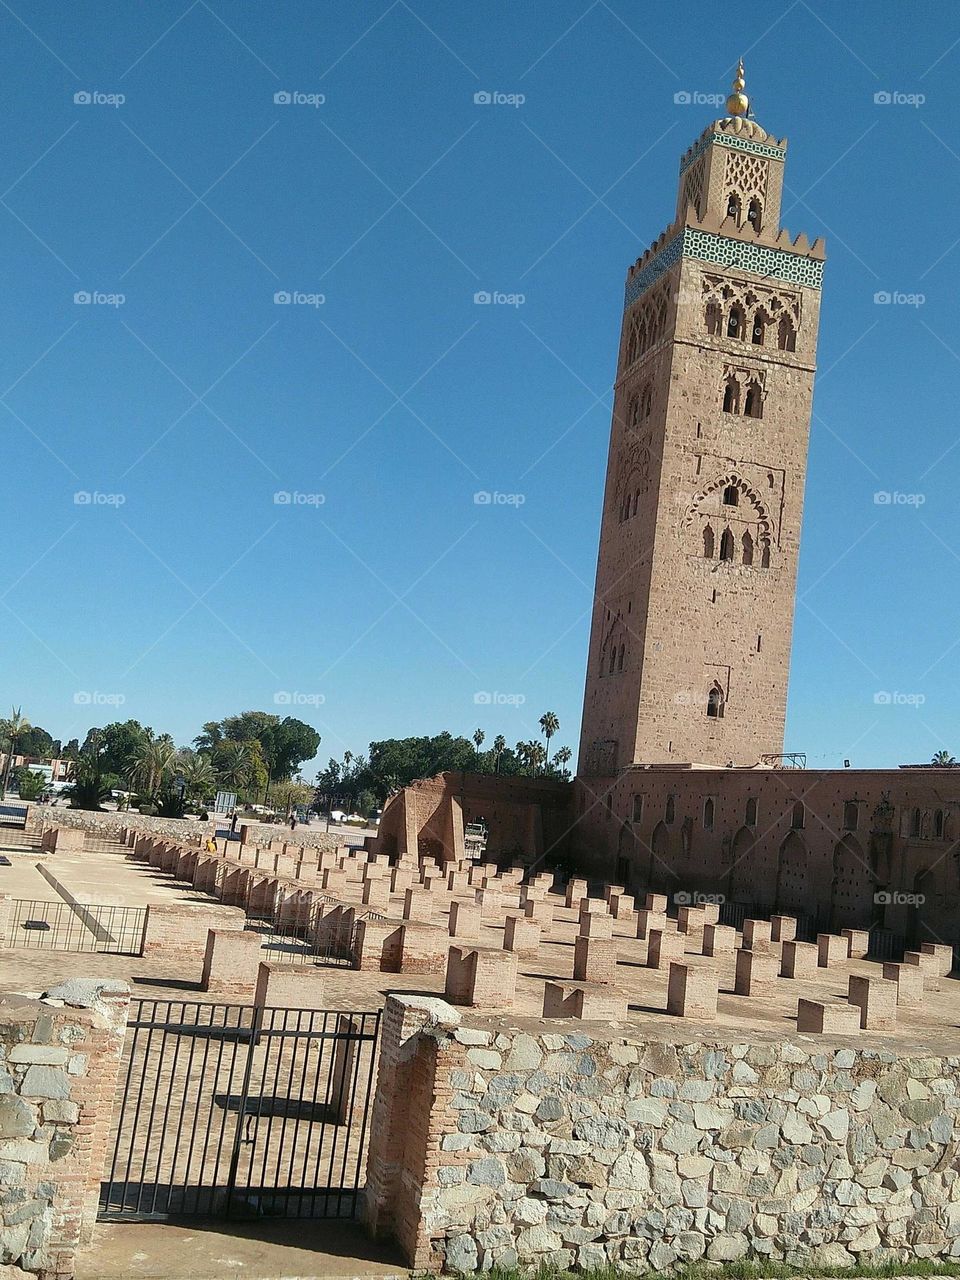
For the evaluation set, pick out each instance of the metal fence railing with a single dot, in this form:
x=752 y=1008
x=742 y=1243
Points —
x=67 y=926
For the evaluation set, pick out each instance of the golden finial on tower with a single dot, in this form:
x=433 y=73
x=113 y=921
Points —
x=738 y=104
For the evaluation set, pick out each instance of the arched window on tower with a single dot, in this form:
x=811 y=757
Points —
x=731 y=496
x=636 y=501
x=733 y=206
x=750 y=815
x=633 y=410
x=714 y=318
x=613 y=659
x=708 y=814
x=736 y=321
x=670 y=810
x=726 y=545
x=765 y=555
x=647 y=399
x=799 y=817
x=938 y=824
x=715 y=702
x=709 y=543
x=623 y=650
x=754 y=213
x=731 y=396
x=757 y=332
x=786 y=335
x=916 y=823
x=851 y=815
x=753 y=404
x=747 y=544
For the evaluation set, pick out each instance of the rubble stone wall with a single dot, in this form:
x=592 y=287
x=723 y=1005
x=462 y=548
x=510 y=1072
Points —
x=58 y=1075
x=584 y=1148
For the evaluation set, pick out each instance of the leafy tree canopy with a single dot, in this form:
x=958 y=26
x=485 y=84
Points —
x=117 y=744
x=284 y=743
x=38 y=743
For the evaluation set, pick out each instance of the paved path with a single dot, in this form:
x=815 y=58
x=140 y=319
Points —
x=224 y=1251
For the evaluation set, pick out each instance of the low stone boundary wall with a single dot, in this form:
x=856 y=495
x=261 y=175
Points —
x=59 y=1058
x=494 y=1144
x=109 y=823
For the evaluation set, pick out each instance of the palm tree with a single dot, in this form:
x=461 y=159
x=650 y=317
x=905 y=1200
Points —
x=233 y=765
x=11 y=730
x=943 y=760
x=562 y=756
x=522 y=752
x=90 y=786
x=549 y=725
x=499 y=747
x=538 y=756
x=199 y=779
x=151 y=765
x=478 y=737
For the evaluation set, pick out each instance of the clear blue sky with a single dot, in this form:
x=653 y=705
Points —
x=199 y=398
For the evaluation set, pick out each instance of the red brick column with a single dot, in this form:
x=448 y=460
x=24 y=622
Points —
x=406 y=1122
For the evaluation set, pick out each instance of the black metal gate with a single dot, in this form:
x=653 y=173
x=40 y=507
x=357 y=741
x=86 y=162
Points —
x=228 y=1111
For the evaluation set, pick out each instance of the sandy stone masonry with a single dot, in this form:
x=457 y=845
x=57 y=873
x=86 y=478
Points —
x=59 y=1058
x=567 y=1100
x=500 y=1143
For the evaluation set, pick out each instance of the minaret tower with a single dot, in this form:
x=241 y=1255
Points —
x=693 y=609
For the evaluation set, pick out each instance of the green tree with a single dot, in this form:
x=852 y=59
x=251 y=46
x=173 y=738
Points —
x=30 y=783
x=11 y=731
x=286 y=796
x=151 y=767
x=91 y=784
x=117 y=744
x=240 y=767
x=283 y=745
x=478 y=737
x=943 y=760
x=199 y=779
x=71 y=751
x=499 y=747
x=561 y=758
x=38 y=744
x=549 y=725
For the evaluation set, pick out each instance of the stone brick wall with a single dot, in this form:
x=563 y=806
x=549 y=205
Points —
x=584 y=1148
x=869 y=849
x=186 y=829
x=58 y=1074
